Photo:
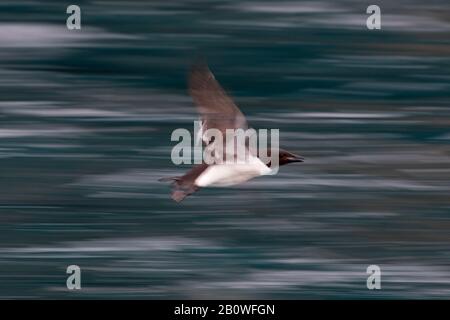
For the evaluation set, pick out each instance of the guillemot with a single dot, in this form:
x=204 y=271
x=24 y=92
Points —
x=219 y=112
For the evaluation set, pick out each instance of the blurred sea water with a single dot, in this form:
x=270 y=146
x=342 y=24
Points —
x=86 y=117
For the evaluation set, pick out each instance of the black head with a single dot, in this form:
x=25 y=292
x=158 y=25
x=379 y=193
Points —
x=286 y=157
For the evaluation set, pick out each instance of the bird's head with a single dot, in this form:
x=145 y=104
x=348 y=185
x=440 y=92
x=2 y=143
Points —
x=285 y=157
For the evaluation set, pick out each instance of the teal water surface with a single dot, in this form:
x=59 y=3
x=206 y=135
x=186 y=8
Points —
x=86 y=117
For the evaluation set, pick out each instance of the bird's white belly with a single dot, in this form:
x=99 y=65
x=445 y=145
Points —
x=222 y=175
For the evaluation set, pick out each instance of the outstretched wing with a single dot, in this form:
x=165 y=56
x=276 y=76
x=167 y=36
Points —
x=216 y=108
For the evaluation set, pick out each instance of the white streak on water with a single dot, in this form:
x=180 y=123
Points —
x=41 y=35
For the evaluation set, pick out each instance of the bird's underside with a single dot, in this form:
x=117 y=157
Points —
x=216 y=175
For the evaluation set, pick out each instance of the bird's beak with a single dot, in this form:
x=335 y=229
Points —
x=295 y=158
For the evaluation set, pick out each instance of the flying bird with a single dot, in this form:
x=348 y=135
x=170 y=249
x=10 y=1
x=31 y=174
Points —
x=218 y=111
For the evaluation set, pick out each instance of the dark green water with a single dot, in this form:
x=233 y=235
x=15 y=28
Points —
x=86 y=118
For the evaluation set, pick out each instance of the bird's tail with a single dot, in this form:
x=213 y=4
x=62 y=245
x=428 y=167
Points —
x=178 y=195
x=168 y=179
x=178 y=192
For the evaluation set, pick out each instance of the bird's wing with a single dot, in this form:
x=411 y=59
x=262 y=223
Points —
x=216 y=108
